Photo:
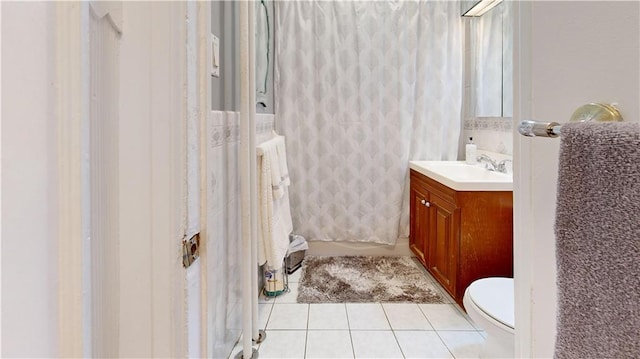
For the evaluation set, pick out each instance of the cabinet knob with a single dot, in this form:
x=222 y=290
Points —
x=428 y=204
x=424 y=202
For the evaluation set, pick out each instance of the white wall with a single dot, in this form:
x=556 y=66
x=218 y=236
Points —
x=225 y=90
x=569 y=54
x=29 y=181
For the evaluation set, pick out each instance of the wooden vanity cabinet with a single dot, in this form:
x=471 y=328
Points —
x=460 y=236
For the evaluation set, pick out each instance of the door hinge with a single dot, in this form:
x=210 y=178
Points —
x=190 y=250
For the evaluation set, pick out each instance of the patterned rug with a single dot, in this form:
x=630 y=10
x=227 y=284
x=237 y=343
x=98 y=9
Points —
x=365 y=279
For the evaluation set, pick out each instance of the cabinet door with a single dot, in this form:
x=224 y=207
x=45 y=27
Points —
x=443 y=234
x=419 y=217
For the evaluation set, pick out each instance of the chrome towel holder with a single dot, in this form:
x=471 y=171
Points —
x=597 y=112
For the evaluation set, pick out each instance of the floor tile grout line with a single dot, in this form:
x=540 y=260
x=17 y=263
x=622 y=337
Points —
x=266 y=323
x=392 y=331
x=465 y=316
x=426 y=316
x=460 y=312
x=398 y=342
x=445 y=344
x=353 y=347
x=306 y=334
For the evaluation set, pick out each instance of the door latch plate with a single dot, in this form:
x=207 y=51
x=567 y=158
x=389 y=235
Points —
x=190 y=250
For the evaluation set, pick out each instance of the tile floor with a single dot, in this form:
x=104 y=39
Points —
x=364 y=330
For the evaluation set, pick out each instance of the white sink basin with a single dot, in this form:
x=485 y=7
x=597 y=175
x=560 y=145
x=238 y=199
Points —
x=463 y=177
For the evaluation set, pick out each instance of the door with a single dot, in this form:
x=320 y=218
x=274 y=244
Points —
x=566 y=54
x=419 y=218
x=443 y=242
x=160 y=117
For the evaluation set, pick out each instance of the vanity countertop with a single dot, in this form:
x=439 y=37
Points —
x=463 y=177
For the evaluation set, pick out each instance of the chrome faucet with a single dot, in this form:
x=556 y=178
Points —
x=502 y=166
x=491 y=165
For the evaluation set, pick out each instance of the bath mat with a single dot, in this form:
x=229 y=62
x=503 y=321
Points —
x=360 y=279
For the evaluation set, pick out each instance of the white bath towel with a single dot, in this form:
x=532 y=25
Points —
x=275 y=214
x=270 y=151
x=279 y=168
x=282 y=160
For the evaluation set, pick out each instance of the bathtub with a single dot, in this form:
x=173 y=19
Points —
x=326 y=248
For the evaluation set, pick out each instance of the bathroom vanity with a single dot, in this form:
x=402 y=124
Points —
x=461 y=226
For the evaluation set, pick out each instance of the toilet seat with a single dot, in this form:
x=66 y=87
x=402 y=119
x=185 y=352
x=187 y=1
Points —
x=495 y=298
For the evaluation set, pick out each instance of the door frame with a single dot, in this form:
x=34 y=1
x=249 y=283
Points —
x=72 y=74
x=204 y=59
x=523 y=226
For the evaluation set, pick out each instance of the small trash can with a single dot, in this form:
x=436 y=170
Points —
x=297 y=250
x=294 y=261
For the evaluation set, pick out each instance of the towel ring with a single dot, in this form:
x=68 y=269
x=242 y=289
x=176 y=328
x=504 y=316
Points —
x=598 y=112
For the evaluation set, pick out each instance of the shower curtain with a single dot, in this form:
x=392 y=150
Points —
x=362 y=88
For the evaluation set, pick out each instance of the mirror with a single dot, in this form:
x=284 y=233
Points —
x=263 y=54
x=491 y=62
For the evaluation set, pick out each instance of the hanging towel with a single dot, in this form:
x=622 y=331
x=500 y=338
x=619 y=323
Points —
x=598 y=241
x=282 y=160
x=271 y=152
x=279 y=170
x=274 y=224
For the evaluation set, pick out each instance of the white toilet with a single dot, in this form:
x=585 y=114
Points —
x=490 y=304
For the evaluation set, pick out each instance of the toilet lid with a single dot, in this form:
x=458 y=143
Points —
x=495 y=297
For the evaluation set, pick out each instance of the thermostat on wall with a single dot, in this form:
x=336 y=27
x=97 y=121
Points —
x=215 y=56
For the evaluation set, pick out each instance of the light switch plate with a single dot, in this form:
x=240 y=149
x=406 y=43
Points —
x=215 y=56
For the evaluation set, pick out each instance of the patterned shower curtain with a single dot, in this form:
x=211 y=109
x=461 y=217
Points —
x=362 y=88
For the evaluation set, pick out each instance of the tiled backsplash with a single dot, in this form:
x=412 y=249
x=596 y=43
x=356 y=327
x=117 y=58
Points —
x=493 y=134
x=225 y=127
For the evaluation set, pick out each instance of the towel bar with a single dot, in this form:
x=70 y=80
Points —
x=590 y=112
x=274 y=136
x=539 y=129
